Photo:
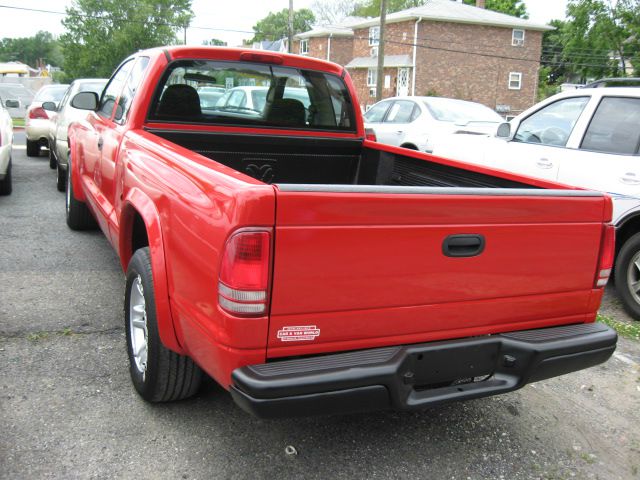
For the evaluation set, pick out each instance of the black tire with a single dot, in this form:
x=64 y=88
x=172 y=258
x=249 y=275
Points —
x=78 y=215
x=33 y=149
x=53 y=163
x=160 y=375
x=61 y=178
x=626 y=273
x=5 y=184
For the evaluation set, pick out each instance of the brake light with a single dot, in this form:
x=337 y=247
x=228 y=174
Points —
x=261 y=57
x=370 y=134
x=244 y=273
x=38 y=112
x=607 y=252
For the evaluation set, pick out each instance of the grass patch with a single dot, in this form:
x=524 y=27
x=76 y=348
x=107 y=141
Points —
x=18 y=122
x=37 y=336
x=624 y=329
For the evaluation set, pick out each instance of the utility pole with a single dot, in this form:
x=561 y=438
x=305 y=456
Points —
x=290 y=49
x=380 y=76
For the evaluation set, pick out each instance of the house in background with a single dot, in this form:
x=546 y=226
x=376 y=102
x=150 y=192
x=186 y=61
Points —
x=443 y=48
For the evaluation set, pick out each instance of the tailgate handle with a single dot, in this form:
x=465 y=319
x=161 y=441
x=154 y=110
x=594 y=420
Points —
x=465 y=245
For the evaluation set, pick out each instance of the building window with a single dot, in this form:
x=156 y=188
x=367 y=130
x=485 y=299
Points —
x=515 y=81
x=372 y=77
x=374 y=36
x=517 y=38
x=304 y=47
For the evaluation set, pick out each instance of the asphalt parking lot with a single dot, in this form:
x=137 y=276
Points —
x=67 y=409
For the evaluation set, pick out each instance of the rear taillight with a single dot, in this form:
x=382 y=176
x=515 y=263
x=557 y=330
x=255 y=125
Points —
x=370 y=134
x=244 y=273
x=38 y=112
x=607 y=252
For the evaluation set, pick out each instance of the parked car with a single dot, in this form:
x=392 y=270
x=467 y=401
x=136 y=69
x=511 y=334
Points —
x=209 y=96
x=61 y=117
x=310 y=271
x=416 y=122
x=6 y=142
x=252 y=100
x=18 y=93
x=589 y=137
x=37 y=119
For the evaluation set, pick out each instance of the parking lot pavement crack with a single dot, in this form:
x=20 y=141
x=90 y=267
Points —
x=65 y=332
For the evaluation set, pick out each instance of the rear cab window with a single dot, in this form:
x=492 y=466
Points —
x=252 y=94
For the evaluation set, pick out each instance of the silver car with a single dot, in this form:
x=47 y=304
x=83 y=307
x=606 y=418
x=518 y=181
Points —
x=37 y=119
x=63 y=115
x=6 y=141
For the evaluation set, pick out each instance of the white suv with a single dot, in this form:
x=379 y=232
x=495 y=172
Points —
x=590 y=138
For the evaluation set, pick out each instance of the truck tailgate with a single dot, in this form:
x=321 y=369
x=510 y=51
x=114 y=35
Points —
x=358 y=267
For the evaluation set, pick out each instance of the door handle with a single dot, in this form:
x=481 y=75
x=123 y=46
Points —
x=630 y=179
x=100 y=143
x=544 y=163
x=465 y=245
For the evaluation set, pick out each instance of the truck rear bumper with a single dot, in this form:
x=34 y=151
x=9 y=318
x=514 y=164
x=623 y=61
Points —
x=412 y=377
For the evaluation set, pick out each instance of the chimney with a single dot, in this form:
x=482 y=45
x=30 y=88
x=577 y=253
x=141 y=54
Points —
x=480 y=3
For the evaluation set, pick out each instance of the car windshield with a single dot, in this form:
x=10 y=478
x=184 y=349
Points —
x=53 y=93
x=256 y=94
x=460 y=111
x=96 y=87
x=16 y=92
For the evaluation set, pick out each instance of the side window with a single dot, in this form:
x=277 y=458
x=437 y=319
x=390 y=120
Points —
x=615 y=127
x=114 y=87
x=553 y=124
x=400 y=112
x=376 y=113
x=130 y=88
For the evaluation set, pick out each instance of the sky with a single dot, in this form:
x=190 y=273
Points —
x=230 y=21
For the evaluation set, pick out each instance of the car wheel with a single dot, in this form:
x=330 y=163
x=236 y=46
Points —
x=627 y=275
x=61 y=178
x=33 y=149
x=77 y=213
x=158 y=374
x=53 y=163
x=5 y=183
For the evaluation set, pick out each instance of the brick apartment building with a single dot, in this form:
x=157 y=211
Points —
x=443 y=48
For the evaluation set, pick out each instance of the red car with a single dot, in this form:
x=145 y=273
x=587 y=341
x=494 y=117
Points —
x=309 y=270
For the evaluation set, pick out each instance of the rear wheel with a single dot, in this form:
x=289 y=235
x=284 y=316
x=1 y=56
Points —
x=5 y=183
x=61 y=178
x=158 y=374
x=78 y=214
x=53 y=163
x=627 y=275
x=33 y=148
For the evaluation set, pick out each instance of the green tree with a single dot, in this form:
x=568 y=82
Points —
x=101 y=33
x=514 y=8
x=276 y=25
x=30 y=50
x=214 y=42
x=597 y=38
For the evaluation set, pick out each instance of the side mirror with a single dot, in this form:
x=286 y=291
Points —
x=50 y=106
x=12 y=104
x=85 y=101
x=504 y=130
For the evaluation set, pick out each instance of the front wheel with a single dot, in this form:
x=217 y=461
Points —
x=61 y=179
x=33 y=148
x=77 y=213
x=5 y=184
x=158 y=374
x=627 y=275
x=53 y=163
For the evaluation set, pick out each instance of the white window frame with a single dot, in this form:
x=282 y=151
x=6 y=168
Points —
x=372 y=77
x=515 y=77
x=304 y=46
x=374 y=36
x=517 y=42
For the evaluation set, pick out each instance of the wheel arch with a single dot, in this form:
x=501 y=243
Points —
x=409 y=145
x=140 y=227
x=626 y=228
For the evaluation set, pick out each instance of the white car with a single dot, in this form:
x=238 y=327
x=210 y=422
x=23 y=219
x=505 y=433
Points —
x=61 y=117
x=590 y=138
x=417 y=122
x=37 y=119
x=6 y=142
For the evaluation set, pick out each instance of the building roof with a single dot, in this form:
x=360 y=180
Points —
x=456 y=12
x=389 y=61
x=342 y=29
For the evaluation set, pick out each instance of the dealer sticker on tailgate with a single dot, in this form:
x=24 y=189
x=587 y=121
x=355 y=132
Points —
x=298 y=334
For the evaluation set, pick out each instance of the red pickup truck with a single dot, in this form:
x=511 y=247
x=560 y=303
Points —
x=309 y=270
